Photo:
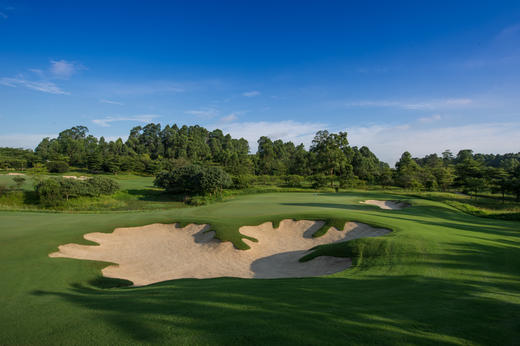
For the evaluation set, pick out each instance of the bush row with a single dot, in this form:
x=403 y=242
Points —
x=55 y=191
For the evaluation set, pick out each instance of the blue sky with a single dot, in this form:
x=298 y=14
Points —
x=416 y=75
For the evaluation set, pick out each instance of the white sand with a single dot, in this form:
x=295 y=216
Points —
x=159 y=252
x=74 y=177
x=386 y=204
x=15 y=174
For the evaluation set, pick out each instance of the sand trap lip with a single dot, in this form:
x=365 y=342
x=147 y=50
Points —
x=160 y=252
x=389 y=205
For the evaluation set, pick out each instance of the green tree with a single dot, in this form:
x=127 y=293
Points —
x=408 y=172
x=469 y=172
x=95 y=162
x=18 y=180
x=329 y=153
x=49 y=192
x=57 y=166
x=193 y=179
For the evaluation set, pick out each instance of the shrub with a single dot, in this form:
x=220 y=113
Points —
x=50 y=192
x=213 y=180
x=55 y=191
x=319 y=180
x=193 y=179
x=37 y=169
x=97 y=186
x=19 y=181
x=57 y=166
x=242 y=181
x=293 y=180
x=3 y=189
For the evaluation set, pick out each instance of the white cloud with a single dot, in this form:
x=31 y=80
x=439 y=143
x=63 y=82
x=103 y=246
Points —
x=26 y=141
x=112 y=102
x=143 y=118
x=3 y=15
x=203 y=112
x=58 y=70
x=435 y=117
x=145 y=88
x=366 y=103
x=38 y=72
x=458 y=101
x=510 y=30
x=251 y=93
x=63 y=69
x=229 y=118
x=44 y=86
x=389 y=142
x=287 y=130
x=430 y=104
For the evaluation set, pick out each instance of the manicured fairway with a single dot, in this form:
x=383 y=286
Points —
x=441 y=277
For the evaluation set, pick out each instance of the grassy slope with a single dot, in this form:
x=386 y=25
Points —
x=442 y=276
x=137 y=193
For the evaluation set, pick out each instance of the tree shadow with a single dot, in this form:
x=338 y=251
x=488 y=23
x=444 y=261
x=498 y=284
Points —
x=389 y=309
x=155 y=195
x=30 y=198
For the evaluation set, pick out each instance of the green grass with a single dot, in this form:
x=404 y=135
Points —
x=137 y=193
x=488 y=205
x=442 y=277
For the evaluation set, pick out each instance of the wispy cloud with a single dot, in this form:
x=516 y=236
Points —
x=143 y=88
x=229 y=118
x=110 y=102
x=142 y=118
x=373 y=69
x=23 y=140
x=388 y=142
x=251 y=93
x=430 y=104
x=203 y=112
x=434 y=117
x=43 y=86
x=42 y=80
x=63 y=69
x=509 y=30
x=3 y=15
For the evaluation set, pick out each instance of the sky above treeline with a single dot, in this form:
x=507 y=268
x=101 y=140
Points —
x=396 y=75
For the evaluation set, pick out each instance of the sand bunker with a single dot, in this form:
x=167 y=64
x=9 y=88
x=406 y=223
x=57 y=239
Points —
x=159 y=252
x=74 y=177
x=15 y=174
x=386 y=204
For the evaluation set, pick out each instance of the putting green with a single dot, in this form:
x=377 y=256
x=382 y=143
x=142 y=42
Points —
x=441 y=277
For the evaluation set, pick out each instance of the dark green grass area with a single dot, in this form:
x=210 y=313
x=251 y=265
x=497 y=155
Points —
x=441 y=277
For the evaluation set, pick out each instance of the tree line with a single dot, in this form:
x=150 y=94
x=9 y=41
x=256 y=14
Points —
x=330 y=160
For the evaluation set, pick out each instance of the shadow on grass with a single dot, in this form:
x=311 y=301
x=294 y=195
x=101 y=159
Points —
x=30 y=198
x=151 y=195
x=378 y=309
x=468 y=293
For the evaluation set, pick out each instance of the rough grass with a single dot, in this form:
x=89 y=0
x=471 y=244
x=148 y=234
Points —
x=442 y=277
x=489 y=205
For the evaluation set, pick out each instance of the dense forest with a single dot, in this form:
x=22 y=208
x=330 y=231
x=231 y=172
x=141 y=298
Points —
x=330 y=160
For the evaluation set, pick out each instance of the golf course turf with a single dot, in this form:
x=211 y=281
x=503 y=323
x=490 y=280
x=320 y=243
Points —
x=441 y=276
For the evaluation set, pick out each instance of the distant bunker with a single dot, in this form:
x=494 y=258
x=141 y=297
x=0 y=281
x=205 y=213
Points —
x=389 y=205
x=160 y=252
